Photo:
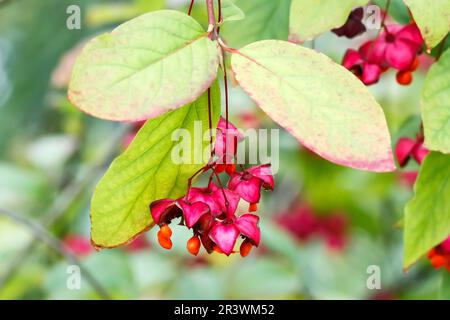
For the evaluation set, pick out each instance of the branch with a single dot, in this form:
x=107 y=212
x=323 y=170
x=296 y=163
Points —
x=65 y=200
x=211 y=18
x=39 y=233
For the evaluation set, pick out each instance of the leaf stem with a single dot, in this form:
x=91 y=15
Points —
x=225 y=47
x=199 y=171
x=225 y=79
x=210 y=124
x=211 y=18
x=203 y=169
x=386 y=11
x=190 y=7
x=222 y=188
x=219 y=13
x=383 y=25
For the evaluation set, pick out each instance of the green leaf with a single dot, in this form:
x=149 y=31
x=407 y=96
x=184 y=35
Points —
x=427 y=215
x=264 y=19
x=231 y=12
x=147 y=66
x=145 y=172
x=318 y=101
x=436 y=105
x=310 y=18
x=432 y=18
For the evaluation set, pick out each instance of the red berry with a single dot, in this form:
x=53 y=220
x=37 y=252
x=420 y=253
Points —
x=431 y=253
x=415 y=64
x=438 y=261
x=231 y=168
x=165 y=242
x=253 y=207
x=193 y=245
x=217 y=249
x=164 y=235
x=246 y=247
x=220 y=168
x=165 y=231
x=404 y=77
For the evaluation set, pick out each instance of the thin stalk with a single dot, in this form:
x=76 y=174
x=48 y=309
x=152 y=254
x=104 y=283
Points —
x=210 y=178
x=210 y=124
x=383 y=25
x=225 y=82
x=39 y=233
x=211 y=18
x=190 y=7
x=386 y=11
x=222 y=188
x=219 y=13
x=202 y=170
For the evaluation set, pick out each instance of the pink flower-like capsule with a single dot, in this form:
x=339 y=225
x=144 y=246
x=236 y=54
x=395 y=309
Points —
x=353 y=26
x=165 y=210
x=192 y=212
x=198 y=215
x=224 y=234
x=227 y=138
x=211 y=211
x=397 y=47
x=207 y=243
x=403 y=150
x=248 y=184
x=214 y=197
x=407 y=148
x=445 y=245
x=369 y=73
x=420 y=152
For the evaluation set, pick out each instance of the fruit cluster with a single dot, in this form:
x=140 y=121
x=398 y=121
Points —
x=211 y=211
x=396 y=47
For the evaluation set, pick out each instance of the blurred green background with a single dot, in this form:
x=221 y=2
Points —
x=322 y=227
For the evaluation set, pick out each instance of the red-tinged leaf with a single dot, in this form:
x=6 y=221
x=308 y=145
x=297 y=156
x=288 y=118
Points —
x=318 y=101
x=147 y=66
